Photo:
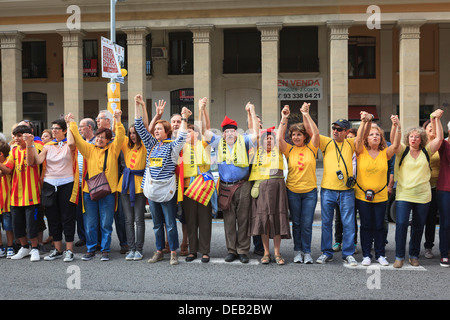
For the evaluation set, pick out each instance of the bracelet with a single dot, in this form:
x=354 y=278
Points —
x=283 y=123
x=184 y=119
x=30 y=146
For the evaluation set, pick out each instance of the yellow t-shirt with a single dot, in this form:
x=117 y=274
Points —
x=372 y=174
x=301 y=168
x=333 y=162
x=134 y=160
x=193 y=160
x=413 y=177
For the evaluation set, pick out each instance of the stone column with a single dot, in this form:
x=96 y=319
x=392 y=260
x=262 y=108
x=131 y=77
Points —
x=137 y=77
x=269 y=73
x=339 y=68
x=409 y=68
x=72 y=42
x=444 y=71
x=202 y=64
x=12 y=95
x=386 y=102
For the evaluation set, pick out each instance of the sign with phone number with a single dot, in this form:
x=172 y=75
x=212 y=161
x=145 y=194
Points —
x=300 y=89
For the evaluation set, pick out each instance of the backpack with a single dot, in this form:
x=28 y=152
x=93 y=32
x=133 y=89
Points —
x=406 y=152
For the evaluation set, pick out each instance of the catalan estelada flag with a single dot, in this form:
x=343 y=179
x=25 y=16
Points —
x=201 y=189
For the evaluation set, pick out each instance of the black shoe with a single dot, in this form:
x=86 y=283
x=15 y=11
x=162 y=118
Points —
x=191 y=257
x=243 y=258
x=259 y=252
x=205 y=259
x=80 y=243
x=230 y=257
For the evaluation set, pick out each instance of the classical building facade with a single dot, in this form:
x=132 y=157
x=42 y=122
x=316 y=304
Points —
x=341 y=56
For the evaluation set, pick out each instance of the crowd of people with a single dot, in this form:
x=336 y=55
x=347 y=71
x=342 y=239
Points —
x=84 y=179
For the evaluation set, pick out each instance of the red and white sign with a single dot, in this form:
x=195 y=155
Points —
x=110 y=60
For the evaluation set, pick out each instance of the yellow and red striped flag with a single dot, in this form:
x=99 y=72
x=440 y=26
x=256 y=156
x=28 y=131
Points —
x=201 y=189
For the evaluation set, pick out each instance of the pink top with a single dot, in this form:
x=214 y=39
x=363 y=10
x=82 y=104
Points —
x=59 y=162
x=443 y=182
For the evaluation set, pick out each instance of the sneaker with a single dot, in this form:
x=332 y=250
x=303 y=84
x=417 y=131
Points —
x=129 y=256
x=68 y=256
x=173 y=258
x=105 y=256
x=298 y=256
x=2 y=252
x=54 y=254
x=88 y=256
x=10 y=252
x=137 y=256
x=23 y=252
x=337 y=247
x=157 y=256
x=444 y=263
x=382 y=260
x=350 y=261
x=308 y=259
x=366 y=261
x=34 y=253
x=324 y=259
x=428 y=254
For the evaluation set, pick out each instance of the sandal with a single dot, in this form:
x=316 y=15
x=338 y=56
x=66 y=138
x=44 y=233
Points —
x=279 y=260
x=265 y=259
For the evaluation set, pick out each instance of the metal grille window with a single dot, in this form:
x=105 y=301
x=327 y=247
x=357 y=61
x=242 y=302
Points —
x=181 y=53
x=34 y=62
x=299 y=49
x=242 y=51
x=361 y=57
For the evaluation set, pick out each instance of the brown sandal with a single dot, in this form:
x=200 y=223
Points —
x=265 y=259
x=279 y=260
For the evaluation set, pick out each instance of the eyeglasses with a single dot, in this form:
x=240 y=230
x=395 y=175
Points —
x=100 y=118
x=100 y=137
x=337 y=129
x=56 y=128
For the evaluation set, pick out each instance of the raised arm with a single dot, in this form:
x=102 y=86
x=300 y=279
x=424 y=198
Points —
x=254 y=135
x=203 y=117
x=282 y=128
x=159 y=107
x=310 y=125
x=32 y=155
x=395 y=146
x=363 y=131
x=435 y=117
x=70 y=139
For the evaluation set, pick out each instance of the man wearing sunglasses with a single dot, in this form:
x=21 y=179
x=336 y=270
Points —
x=337 y=189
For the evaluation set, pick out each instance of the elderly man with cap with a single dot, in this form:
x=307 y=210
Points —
x=337 y=189
x=234 y=188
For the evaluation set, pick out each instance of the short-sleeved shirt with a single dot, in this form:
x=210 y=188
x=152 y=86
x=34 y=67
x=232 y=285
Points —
x=413 y=177
x=301 y=161
x=25 y=182
x=371 y=174
x=59 y=162
x=230 y=172
x=332 y=162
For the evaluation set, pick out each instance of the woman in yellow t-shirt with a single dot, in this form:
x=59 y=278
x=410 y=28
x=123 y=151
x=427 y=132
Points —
x=132 y=197
x=301 y=183
x=371 y=186
x=412 y=173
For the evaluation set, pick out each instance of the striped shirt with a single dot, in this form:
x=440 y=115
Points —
x=5 y=192
x=25 y=184
x=161 y=157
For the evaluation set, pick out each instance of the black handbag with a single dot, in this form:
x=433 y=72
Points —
x=98 y=185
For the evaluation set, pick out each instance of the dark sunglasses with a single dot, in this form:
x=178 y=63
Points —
x=337 y=129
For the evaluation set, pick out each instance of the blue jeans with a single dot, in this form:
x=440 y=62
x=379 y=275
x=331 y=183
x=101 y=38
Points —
x=98 y=213
x=165 y=213
x=443 y=199
x=419 y=216
x=372 y=227
x=329 y=199
x=302 y=207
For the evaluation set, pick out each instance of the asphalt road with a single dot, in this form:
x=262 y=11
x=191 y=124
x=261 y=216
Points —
x=222 y=284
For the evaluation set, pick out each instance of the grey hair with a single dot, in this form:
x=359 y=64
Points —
x=108 y=115
x=90 y=122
